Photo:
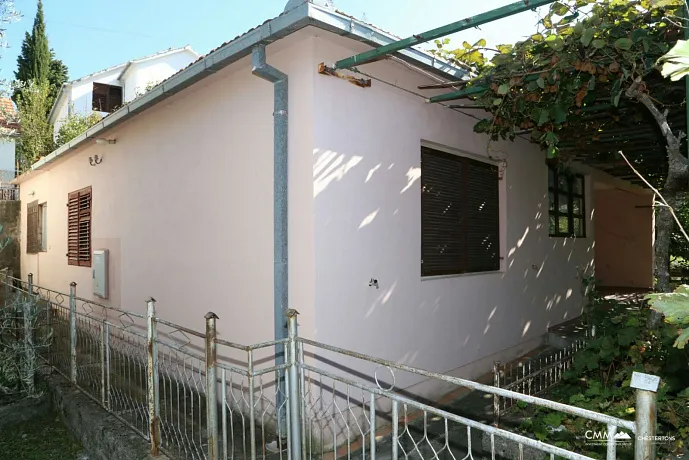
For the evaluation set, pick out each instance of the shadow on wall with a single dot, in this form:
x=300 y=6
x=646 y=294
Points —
x=368 y=227
x=10 y=219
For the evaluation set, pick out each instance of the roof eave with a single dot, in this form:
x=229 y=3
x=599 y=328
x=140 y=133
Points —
x=270 y=31
x=332 y=21
x=60 y=96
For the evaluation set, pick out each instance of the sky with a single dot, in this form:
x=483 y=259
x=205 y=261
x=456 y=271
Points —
x=90 y=35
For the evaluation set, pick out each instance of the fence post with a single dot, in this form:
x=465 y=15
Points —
x=496 y=398
x=152 y=374
x=211 y=386
x=645 y=448
x=73 y=332
x=29 y=352
x=293 y=385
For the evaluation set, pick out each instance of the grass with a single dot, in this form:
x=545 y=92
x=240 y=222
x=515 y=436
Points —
x=43 y=438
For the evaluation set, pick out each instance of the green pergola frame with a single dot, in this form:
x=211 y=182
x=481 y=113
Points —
x=645 y=150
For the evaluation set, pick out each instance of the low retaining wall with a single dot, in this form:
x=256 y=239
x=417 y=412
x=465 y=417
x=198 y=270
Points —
x=103 y=436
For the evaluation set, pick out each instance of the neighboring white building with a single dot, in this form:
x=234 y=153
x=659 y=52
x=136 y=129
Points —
x=9 y=125
x=107 y=90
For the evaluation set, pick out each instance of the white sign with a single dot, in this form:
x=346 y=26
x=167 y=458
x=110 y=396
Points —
x=643 y=381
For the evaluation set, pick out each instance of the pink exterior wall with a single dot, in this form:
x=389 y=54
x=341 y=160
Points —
x=367 y=216
x=624 y=238
x=183 y=201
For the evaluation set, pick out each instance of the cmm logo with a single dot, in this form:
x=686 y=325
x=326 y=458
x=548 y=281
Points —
x=604 y=436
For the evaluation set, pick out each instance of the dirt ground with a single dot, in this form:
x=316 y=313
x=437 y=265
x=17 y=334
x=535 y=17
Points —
x=43 y=438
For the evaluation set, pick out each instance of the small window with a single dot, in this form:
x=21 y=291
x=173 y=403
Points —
x=566 y=204
x=106 y=98
x=79 y=227
x=460 y=215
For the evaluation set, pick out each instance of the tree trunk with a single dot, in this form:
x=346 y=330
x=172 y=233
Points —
x=677 y=174
x=665 y=224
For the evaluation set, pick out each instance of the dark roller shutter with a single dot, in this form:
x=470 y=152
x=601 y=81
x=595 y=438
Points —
x=460 y=215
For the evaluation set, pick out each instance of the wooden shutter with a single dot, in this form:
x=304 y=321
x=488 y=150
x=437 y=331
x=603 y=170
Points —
x=114 y=98
x=460 y=226
x=33 y=244
x=79 y=227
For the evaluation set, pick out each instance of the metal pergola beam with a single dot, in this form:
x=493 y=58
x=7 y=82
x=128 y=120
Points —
x=467 y=23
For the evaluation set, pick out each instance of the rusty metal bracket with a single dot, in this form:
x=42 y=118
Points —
x=360 y=82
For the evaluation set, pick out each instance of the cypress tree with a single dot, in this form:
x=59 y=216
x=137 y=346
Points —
x=37 y=61
x=41 y=51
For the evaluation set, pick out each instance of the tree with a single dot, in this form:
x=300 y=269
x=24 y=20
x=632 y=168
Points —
x=587 y=52
x=37 y=61
x=75 y=124
x=36 y=138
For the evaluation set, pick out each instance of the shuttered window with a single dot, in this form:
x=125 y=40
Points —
x=566 y=204
x=106 y=98
x=33 y=237
x=79 y=227
x=460 y=215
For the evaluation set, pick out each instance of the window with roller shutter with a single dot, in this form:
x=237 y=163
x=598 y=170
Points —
x=460 y=214
x=79 y=227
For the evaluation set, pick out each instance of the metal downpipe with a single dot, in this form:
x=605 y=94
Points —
x=280 y=242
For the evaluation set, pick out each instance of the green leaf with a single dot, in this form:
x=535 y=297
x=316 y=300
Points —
x=497 y=101
x=627 y=336
x=541 y=116
x=598 y=44
x=466 y=45
x=540 y=82
x=504 y=89
x=537 y=37
x=639 y=34
x=587 y=36
x=676 y=61
x=559 y=8
x=533 y=85
x=555 y=42
x=558 y=113
x=616 y=98
x=623 y=44
x=505 y=49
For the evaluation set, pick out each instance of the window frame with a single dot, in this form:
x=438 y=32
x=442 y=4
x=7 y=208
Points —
x=76 y=215
x=463 y=229
x=556 y=192
x=111 y=103
x=43 y=226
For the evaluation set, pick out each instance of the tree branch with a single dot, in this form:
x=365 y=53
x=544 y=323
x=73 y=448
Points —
x=637 y=91
x=657 y=193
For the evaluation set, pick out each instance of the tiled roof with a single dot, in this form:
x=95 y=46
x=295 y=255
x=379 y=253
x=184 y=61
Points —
x=8 y=111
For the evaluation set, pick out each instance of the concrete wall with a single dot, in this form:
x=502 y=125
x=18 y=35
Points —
x=184 y=202
x=10 y=218
x=624 y=238
x=367 y=204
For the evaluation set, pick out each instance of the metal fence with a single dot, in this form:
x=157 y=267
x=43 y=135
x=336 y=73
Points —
x=534 y=376
x=194 y=396
x=9 y=192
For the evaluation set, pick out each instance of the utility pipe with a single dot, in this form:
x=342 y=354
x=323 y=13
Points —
x=280 y=243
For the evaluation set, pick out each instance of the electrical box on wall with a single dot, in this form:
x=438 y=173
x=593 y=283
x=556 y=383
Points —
x=100 y=273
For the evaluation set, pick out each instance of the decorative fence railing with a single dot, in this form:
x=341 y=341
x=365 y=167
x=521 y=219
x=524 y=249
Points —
x=194 y=396
x=9 y=192
x=534 y=376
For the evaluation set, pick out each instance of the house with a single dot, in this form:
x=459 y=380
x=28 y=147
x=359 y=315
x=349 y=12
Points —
x=249 y=180
x=9 y=126
x=108 y=89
